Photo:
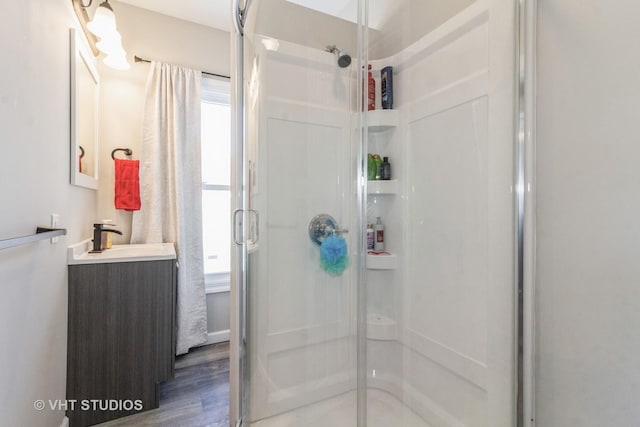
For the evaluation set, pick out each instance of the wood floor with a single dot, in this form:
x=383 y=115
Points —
x=198 y=396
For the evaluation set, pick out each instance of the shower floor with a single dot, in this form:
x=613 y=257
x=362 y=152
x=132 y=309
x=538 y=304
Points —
x=383 y=410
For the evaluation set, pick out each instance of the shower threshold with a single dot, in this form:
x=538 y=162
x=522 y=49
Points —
x=383 y=410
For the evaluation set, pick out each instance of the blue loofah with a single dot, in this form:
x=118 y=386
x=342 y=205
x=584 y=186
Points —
x=335 y=269
x=333 y=255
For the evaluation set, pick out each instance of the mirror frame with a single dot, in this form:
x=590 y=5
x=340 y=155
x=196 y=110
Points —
x=80 y=56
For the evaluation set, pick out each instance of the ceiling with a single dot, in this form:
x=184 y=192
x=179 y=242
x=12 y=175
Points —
x=212 y=13
x=379 y=10
x=217 y=13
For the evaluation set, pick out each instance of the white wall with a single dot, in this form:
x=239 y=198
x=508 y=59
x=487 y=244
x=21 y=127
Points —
x=34 y=177
x=409 y=22
x=588 y=238
x=218 y=308
x=283 y=20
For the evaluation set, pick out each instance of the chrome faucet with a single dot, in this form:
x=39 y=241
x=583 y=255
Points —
x=98 y=229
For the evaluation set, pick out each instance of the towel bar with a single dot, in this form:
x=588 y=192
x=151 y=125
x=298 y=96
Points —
x=42 y=233
x=127 y=152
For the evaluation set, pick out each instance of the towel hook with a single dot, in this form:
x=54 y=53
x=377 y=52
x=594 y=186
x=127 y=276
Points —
x=127 y=152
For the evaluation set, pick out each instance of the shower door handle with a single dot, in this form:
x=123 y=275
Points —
x=237 y=224
x=255 y=223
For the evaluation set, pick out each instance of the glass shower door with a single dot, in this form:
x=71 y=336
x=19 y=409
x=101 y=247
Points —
x=301 y=156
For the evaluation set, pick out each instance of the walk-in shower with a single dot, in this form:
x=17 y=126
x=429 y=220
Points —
x=421 y=332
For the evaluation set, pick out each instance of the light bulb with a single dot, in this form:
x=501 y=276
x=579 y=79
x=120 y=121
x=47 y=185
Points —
x=117 y=61
x=110 y=44
x=103 y=22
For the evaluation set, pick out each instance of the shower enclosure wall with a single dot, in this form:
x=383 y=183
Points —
x=424 y=335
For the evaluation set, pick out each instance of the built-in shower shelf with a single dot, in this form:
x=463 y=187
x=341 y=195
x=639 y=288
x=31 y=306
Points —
x=382 y=186
x=381 y=327
x=381 y=120
x=384 y=261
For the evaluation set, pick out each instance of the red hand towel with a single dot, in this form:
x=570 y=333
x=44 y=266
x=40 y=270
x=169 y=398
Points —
x=127 y=184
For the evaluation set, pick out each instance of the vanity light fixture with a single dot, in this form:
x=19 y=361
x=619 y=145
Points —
x=102 y=33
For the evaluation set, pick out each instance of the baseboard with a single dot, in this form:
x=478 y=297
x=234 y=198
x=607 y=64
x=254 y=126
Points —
x=65 y=422
x=218 y=336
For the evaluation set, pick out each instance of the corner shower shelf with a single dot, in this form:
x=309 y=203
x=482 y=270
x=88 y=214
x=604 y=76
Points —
x=382 y=187
x=381 y=327
x=382 y=262
x=381 y=120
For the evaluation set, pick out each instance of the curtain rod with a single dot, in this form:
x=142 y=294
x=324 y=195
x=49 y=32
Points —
x=138 y=59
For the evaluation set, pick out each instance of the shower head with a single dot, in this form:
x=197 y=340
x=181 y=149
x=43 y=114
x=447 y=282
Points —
x=344 y=59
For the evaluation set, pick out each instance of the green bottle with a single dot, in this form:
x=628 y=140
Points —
x=371 y=167
x=378 y=161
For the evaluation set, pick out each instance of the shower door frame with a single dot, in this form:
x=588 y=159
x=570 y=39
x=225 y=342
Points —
x=525 y=208
x=239 y=204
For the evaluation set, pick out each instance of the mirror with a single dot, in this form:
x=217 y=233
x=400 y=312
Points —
x=85 y=86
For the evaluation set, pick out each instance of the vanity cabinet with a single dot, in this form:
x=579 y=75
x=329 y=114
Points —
x=121 y=337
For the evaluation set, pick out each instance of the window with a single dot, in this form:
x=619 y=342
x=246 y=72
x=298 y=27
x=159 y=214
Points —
x=216 y=182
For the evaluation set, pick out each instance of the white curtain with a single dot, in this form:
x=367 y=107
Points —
x=171 y=189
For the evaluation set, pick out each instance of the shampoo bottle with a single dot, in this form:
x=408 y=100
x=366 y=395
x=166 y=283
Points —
x=371 y=167
x=386 y=78
x=371 y=101
x=385 y=169
x=379 y=235
x=378 y=161
x=370 y=237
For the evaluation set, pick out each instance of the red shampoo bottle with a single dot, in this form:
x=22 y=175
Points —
x=371 y=104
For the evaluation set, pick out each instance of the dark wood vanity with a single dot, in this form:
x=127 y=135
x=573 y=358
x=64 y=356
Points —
x=121 y=337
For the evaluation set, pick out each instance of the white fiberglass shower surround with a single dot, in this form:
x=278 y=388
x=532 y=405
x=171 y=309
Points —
x=426 y=334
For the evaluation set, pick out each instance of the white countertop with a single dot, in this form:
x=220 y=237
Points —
x=79 y=253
